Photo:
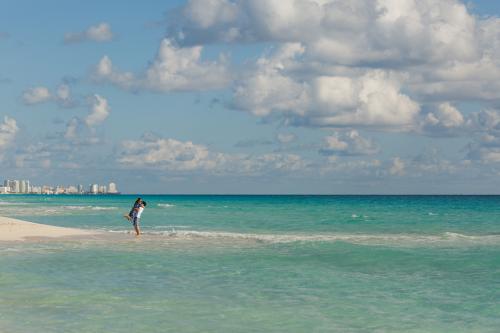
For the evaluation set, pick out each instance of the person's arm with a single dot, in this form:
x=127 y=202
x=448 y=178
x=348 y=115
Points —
x=138 y=207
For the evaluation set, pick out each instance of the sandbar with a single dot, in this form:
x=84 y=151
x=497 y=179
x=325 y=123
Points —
x=19 y=230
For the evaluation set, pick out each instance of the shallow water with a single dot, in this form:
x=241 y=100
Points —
x=256 y=264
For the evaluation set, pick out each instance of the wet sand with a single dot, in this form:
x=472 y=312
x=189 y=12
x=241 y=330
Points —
x=18 y=230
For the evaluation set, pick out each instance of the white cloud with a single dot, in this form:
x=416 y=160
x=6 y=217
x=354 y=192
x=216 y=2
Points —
x=169 y=153
x=62 y=96
x=373 y=99
x=486 y=121
x=398 y=167
x=343 y=31
x=36 y=95
x=106 y=72
x=447 y=53
x=72 y=129
x=8 y=131
x=349 y=143
x=177 y=156
x=97 y=33
x=369 y=98
x=486 y=147
x=99 y=112
x=181 y=69
x=267 y=89
x=174 y=69
x=445 y=120
x=446 y=116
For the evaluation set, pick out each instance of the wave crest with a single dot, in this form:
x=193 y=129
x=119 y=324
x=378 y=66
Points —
x=400 y=240
x=165 y=205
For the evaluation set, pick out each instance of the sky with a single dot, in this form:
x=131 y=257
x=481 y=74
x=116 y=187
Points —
x=252 y=96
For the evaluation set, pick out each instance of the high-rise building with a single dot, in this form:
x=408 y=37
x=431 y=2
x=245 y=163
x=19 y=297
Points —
x=71 y=190
x=15 y=186
x=36 y=190
x=94 y=188
x=80 y=188
x=23 y=186
x=112 y=188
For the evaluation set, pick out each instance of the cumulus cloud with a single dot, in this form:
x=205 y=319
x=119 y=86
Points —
x=174 y=69
x=178 y=156
x=370 y=98
x=105 y=71
x=343 y=31
x=373 y=99
x=486 y=146
x=99 y=111
x=267 y=89
x=358 y=62
x=349 y=143
x=445 y=120
x=8 y=131
x=337 y=63
x=81 y=131
x=36 y=95
x=487 y=121
x=169 y=153
x=97 y=33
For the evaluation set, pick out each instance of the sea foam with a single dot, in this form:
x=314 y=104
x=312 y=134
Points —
x=165 y=205
x=399 y=240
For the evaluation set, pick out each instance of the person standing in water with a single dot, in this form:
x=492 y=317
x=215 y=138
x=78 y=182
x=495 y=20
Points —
x=136 y=205
x=137 y=217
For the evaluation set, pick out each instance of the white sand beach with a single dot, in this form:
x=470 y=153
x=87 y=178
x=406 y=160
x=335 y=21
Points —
x=18 y=230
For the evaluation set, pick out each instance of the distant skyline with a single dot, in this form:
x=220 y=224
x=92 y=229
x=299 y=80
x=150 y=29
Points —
x=253 y=96
x=24 y=186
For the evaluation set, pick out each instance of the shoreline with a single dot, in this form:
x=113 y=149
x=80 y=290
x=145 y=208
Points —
x=18 y=230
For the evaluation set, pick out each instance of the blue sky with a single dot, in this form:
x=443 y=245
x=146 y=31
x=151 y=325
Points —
x=252 y=96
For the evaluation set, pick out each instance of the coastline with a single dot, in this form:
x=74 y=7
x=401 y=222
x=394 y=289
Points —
x=19 y=230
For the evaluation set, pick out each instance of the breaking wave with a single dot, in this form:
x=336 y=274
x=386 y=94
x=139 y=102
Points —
x=165 y=205
x=88 y=208
x=445 y=239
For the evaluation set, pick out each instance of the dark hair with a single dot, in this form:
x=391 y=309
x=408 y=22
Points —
x=144 y=203
x=138 y=200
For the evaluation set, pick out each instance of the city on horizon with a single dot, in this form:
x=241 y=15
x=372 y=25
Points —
x=25 y=187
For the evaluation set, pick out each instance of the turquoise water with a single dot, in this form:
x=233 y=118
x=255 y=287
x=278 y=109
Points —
x=256 y=264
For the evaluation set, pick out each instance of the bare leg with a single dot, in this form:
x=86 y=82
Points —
x=136 y=228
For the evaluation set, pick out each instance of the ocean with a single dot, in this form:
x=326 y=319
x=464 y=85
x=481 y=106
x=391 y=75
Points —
x=256 y=264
